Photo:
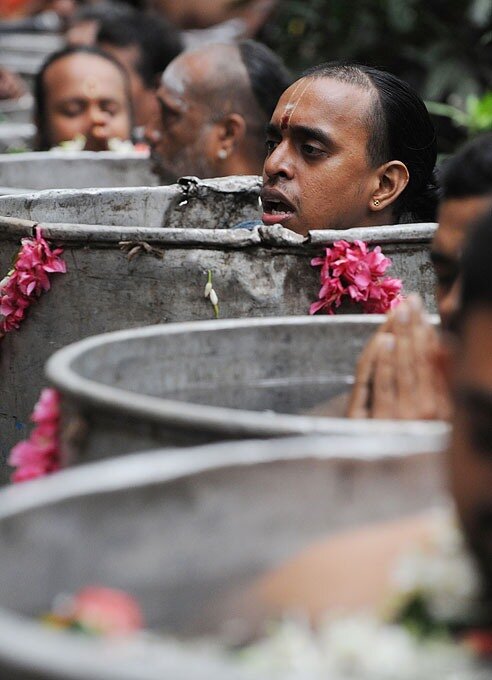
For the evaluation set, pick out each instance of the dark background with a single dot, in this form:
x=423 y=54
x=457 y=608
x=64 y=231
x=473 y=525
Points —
x=442 y=47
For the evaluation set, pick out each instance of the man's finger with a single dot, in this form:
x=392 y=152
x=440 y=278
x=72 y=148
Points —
x=360 y=397
x=384 y=387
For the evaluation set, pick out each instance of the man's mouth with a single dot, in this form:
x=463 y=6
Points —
x=276 y=211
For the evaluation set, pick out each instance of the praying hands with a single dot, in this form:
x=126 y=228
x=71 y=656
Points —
x=397 y=375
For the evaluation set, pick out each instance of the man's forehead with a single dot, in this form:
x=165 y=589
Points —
x=315 y=101
x=71 y=77
x=83 y=63
x=190 y=69
x=175 y=78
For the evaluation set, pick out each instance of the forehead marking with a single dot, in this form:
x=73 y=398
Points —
x=284 y=123
x=90 y=87
x=290 y=107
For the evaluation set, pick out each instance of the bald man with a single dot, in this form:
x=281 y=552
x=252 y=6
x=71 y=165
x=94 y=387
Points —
x=214 y=103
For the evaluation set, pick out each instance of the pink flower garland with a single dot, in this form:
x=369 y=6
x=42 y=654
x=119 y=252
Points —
x=28 y=279
x=40 y=454
x=353 y=272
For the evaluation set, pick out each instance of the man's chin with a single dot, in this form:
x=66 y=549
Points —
x=286 y=220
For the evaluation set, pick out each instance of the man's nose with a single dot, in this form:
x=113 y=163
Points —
x=279 y=162
x=152 y=134
x=97 y=115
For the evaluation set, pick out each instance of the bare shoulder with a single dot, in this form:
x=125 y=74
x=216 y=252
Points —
x=347 y=571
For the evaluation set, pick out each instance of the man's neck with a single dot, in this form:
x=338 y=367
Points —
x=238 y=164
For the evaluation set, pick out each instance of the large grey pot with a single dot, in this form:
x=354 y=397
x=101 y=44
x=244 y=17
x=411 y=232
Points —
x=263 y=272
x=191 y=383
x=192 y=203
x=181 y=531
x=74 y=170
x=215 y=204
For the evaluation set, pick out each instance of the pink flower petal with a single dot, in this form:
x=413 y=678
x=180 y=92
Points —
x=28 y=279
x=108 y=611
x=351 y=270
x=39 y=454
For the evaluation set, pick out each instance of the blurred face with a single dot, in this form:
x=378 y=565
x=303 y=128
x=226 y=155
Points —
x=317 y=173
x=471 y=448
x=85 y=95
x=455 y=217
x=64 y=8
x=145 y=106
x=179 y=136
x=82 y=32
x=196 y=13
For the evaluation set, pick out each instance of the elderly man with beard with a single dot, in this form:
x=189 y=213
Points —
x=214 y=103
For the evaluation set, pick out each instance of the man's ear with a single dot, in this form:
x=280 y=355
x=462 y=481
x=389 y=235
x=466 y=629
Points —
x=392 y=179
x=231 y=134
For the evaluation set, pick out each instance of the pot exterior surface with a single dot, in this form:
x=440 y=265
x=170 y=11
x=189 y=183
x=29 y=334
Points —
x=183 y=532
x=190 y=383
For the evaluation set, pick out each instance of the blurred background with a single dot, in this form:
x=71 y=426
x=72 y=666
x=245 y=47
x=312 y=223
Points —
x=442 y=47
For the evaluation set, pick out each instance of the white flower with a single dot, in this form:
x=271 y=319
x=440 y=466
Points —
x=441 y=571
x=213 y=297
x=120 y=145
x=352 y=648
x=208 y=289
x=290 y=651
x=75 y=144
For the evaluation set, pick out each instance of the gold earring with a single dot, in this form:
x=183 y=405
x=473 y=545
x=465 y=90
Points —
x=376 y=202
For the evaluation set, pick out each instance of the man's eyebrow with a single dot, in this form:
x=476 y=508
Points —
x=273 y=130
x=313 y=133
x=304 y=131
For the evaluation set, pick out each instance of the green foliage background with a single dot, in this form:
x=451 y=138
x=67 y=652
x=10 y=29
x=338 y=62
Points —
x=442 y=47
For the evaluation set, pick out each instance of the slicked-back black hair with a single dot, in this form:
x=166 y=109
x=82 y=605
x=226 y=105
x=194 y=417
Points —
x=469 y=171
x=400 y=129
x=39 y=87
x=268 y=76
x=157 y=40
x=476 y=288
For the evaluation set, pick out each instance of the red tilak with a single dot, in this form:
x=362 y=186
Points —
x=284 y=124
